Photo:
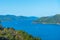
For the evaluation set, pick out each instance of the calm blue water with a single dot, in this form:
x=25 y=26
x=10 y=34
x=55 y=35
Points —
x=44 y=31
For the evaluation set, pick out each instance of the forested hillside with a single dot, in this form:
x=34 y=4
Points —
x=49 y=19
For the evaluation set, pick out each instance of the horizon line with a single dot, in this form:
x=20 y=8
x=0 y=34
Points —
x=25 y=15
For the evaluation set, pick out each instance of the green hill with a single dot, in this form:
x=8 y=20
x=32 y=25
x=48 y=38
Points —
x=49 y=20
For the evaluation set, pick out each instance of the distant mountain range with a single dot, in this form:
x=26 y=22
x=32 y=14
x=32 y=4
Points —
x=49 y=19
x=15 y=18
x=13 y=21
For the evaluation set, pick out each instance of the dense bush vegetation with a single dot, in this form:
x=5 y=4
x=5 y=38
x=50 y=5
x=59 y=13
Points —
x=12 y=34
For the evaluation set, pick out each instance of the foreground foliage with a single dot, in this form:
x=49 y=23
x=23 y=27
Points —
x=12 y=34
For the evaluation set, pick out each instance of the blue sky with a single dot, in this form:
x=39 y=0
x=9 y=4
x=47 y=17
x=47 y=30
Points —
x=30 y=7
